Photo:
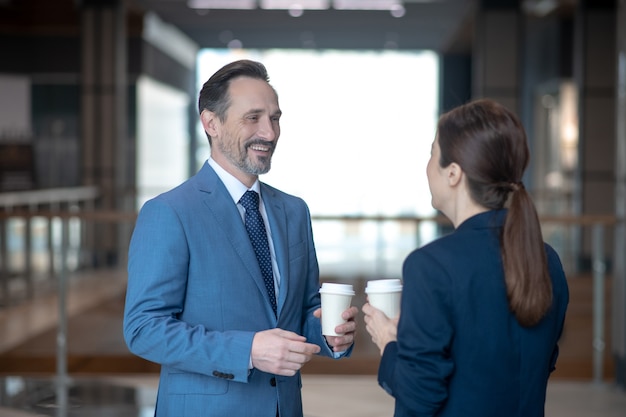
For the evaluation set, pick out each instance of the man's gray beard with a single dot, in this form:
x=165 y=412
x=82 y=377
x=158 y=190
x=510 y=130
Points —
x=245 y=164
x=255 y=169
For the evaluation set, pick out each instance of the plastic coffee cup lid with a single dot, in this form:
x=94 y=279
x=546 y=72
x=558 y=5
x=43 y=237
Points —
x=332 y=288
x=383 y=285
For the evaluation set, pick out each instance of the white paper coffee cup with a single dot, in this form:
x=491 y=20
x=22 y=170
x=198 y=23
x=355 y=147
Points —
x=385 y=295
x=336 y=299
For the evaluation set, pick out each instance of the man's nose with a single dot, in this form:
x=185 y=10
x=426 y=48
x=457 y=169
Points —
x=268 y=129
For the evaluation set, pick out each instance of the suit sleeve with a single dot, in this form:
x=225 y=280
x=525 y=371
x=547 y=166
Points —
x=415 y=369
x=157 y=278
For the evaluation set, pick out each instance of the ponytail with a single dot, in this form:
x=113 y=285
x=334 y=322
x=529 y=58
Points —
x=528 y=284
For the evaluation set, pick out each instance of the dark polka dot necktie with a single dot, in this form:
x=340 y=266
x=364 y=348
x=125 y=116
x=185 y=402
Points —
x=258 y=236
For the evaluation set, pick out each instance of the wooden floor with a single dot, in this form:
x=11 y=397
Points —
x=95 y=304
x=100 y=365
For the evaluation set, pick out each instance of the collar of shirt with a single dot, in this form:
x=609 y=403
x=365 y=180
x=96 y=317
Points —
x=235 y=188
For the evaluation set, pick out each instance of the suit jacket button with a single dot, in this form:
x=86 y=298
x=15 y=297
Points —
x=273 y=382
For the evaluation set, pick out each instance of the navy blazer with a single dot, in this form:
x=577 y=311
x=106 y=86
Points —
x=196 y=298
x=460 y=351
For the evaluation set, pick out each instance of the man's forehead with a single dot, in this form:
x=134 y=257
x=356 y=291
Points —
x=244 y=83
x=251 y=92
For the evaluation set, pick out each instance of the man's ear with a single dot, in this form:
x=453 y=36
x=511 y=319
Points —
x=455 y=174
x=210 y=122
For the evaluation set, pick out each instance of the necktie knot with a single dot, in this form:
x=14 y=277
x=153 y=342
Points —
x=250 y=200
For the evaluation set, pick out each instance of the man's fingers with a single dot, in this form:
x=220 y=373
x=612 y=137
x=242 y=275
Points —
x=281 y=352
x=298 y=358
x=350 y=313
x=340 y=343
x=286 y=334
x=296 y=343
x=303 y=348
x=347 y=327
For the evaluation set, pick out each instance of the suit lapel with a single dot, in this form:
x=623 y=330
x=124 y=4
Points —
x=227 y=217
x=274 y=207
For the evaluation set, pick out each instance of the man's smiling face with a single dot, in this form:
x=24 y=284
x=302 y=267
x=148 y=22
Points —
x=244 y=142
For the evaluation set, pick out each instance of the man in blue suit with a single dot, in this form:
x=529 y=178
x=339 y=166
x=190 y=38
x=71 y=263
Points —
x=228 y=343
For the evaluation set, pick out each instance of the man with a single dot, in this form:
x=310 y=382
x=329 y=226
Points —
x=228 y=343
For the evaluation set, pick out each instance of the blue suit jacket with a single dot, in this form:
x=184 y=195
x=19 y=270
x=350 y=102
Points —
x=460 y=351
x=196 y=298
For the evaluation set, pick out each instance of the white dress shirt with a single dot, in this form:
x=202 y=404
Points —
x=236 y=189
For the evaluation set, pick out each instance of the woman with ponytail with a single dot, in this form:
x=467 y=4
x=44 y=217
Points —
x=483 y=307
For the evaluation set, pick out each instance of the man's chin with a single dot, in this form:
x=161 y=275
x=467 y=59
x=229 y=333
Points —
x=265 y=170
x=256 y=170
x=261 y=166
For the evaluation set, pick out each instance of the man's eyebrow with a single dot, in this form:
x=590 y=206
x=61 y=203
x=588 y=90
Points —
x=260 y=111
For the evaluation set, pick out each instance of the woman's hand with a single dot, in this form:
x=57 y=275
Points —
x=381 y=328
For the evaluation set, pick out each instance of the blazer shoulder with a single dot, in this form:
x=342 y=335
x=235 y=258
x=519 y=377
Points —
x=270 y=192
x=203 y=181
x=446 y=244
x=456 y=252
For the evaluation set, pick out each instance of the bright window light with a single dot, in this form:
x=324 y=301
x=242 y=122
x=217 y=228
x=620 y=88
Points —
x=357 y=127
x=356 y=133
x=295 y=4
x=222 y=4
x=366 y=4
x=162 y=117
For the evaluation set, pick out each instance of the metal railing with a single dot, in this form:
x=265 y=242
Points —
x=27 y=205
x=60 y=248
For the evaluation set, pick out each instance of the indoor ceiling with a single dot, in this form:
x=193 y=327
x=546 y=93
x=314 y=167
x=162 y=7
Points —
x=440 y=25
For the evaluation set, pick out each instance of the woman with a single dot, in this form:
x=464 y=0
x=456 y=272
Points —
x=483 y=307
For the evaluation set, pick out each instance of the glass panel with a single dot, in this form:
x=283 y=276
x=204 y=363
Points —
x=356 y=133
x=555 y=160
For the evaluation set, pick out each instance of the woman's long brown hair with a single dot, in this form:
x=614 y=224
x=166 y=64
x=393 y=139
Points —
x=489 y=143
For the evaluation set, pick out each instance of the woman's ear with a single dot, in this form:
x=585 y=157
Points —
x=455 y=174
x=210 y=122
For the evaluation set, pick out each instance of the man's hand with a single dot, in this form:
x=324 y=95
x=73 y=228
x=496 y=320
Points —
x=281 y=352
x=347 y=330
